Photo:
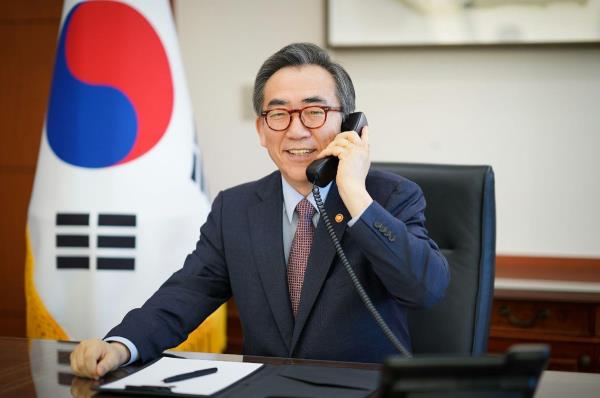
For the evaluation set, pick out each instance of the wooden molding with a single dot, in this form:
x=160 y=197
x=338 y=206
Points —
x=555 y=296
x=549 y=268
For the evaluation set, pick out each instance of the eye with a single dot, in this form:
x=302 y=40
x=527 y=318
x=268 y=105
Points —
x=277 y=114
x=313 y=113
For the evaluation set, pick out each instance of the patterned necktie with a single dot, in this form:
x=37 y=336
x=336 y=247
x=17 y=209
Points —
x=299 y=252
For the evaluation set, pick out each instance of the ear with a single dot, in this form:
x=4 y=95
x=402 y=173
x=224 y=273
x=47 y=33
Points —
x=261 y=130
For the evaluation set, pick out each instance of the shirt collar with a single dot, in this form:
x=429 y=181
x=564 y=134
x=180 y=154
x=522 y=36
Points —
x=291 y=197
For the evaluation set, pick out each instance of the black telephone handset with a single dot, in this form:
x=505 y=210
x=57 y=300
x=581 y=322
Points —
x=322 y=171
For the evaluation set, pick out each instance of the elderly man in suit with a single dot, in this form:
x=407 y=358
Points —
x=264 y=242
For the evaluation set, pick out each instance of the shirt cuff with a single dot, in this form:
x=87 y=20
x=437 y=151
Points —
x=355 y=219
x=133 y=352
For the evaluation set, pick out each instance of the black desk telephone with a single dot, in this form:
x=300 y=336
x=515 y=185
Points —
x=322 y=171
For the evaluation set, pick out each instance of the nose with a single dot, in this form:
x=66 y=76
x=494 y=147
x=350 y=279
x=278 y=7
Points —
x=297 y=130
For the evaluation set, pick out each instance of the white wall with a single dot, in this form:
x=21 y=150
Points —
x=533 y=113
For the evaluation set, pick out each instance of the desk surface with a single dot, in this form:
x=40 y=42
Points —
x=40 y=368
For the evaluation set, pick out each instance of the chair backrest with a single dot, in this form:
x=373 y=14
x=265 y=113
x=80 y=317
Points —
x=461 y=219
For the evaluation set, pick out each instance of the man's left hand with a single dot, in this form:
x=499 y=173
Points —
x=353 y=152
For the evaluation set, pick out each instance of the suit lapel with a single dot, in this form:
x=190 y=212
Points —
x=319 y=262
x=267 y=240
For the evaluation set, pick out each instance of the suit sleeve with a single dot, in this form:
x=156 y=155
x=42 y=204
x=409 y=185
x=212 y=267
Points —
x=185 y=299
x=393 y=238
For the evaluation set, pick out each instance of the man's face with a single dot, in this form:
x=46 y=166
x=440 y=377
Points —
x=292 y=150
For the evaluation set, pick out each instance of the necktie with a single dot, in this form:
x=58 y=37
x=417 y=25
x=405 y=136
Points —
x=299 y=251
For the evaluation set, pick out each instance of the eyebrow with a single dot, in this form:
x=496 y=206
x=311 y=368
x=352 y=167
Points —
x=315 y=99
x=277 y=101
x=309 y=100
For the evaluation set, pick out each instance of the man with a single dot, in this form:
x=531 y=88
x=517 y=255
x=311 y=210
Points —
x=256 y=241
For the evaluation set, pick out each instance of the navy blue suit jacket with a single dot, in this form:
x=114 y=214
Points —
x=240 y=253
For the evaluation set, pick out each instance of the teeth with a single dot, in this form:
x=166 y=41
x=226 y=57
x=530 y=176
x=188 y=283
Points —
x=299 y=151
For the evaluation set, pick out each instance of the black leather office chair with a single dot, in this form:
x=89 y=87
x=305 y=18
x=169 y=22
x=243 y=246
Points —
x=461 y=218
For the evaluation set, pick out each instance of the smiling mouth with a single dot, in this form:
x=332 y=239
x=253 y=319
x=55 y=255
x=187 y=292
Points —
x=300 y=152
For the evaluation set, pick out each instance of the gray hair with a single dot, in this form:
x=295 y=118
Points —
x=297 y=54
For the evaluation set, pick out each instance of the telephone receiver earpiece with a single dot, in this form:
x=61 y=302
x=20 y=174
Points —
x=322 y=171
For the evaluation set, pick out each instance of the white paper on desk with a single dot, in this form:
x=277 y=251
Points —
x=227 y=374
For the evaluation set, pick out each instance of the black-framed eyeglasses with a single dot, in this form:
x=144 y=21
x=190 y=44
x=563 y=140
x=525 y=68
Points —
x=312 y=117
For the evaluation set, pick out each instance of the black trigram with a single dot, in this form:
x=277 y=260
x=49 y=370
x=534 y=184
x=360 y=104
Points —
x=106 y=241
x=79 y=240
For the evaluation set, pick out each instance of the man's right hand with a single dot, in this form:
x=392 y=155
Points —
x=94 y=358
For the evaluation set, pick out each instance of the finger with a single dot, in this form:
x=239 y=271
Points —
x=337 y=151
x=331 y=150
x=324 y=153
x=349 y=136
x=342 y=144
x=339 y=145
x=108 y=363
x=328 y=149
x=73 y=362
x=76 y=360
x=349 y=142
x=354 y=137
x=90 y=361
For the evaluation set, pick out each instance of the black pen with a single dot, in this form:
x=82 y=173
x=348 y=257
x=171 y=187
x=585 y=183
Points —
x=190 y=375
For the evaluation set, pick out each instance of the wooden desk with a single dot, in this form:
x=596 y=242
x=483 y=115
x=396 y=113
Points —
x=40 y=368
x=564 y=315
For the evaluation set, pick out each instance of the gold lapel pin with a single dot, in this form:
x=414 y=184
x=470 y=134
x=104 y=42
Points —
x=339 y=218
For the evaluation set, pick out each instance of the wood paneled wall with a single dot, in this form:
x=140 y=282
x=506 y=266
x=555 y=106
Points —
x=28 y=34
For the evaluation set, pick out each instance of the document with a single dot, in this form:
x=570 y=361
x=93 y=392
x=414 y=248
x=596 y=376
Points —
x=151 y=377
